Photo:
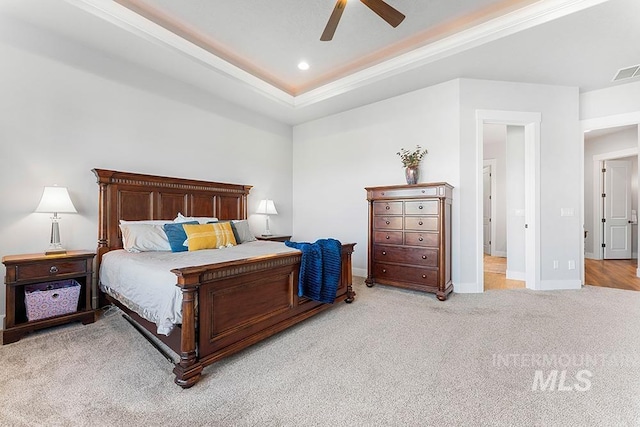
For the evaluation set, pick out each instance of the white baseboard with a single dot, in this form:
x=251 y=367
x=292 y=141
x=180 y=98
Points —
x=359 y=272
x=501 y=254
x=553 y=285
x=2 y=322
x=516 y=275
x=466 y=288
x=590 y=255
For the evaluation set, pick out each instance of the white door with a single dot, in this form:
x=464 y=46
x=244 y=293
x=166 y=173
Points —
x=486 y=208
x=617 y=209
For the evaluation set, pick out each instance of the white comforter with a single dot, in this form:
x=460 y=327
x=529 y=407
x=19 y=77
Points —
x=144 y=281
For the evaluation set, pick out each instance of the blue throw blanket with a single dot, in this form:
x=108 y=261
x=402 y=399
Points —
x=320 y=269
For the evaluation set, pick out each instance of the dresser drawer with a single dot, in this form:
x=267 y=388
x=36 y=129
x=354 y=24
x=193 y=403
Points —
x=387 y=208
x=388 y=222
x=416 y=256
x=49 y=269
x=421 y=207
x=393 y=237
x=414 y=275
x=421 y=239
x=421 y=223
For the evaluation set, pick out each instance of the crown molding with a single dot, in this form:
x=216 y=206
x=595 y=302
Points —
x=521 y=19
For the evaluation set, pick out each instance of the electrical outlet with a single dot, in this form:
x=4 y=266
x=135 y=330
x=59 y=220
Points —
x=555 y=265
x=572 y=264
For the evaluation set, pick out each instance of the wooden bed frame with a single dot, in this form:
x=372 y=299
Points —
x=226 y=307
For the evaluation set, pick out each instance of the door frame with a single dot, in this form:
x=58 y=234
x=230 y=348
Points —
x=598 y=160
x=604 y=122
x=493 y=164
x=531 y=122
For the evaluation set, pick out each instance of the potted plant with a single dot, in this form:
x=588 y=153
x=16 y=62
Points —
x=411 y=162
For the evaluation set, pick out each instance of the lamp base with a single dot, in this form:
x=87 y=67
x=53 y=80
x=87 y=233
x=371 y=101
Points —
x=57 y=251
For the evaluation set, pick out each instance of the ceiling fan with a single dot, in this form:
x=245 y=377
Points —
x=384 y=11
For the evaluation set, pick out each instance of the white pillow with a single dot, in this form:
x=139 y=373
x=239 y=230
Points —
x=244 y=234
x=144 y=237
x=147 y=221
x=200 y=219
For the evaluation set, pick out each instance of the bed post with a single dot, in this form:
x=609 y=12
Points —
x=188 y=370
x=347 y=250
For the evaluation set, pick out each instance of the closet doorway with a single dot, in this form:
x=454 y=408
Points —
x=503 y=207
x=522 y=255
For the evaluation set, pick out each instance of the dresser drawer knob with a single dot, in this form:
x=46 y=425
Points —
x=387 y=222
x=53 y=269
x=420 y=207
x=420 y=239
x=387 y=237
x=384 y=252
x=420 y=223
x=384 y=270
x=424 y=257
x=424 y=276
x=388 y=207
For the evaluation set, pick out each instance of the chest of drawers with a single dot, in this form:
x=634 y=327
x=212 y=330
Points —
x=410 y=237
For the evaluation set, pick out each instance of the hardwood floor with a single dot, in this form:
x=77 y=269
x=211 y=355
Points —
x=619 y=274
x=612 y=273
x=495 y=275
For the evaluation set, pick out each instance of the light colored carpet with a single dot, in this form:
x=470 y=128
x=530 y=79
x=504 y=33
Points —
x=393 y=357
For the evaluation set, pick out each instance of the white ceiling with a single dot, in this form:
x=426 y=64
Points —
x=578 y=43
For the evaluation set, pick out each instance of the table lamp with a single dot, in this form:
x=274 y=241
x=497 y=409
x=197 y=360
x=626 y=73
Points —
x=266 y=207
x=55 y=200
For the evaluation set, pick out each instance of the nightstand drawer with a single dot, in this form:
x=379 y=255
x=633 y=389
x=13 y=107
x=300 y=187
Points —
x=49 y=269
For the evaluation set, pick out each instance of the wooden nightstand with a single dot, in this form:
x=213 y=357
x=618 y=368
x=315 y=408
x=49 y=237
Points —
x=274 y=238
x=28 y=269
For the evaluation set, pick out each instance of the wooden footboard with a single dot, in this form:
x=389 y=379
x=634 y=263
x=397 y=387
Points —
x=241 y=303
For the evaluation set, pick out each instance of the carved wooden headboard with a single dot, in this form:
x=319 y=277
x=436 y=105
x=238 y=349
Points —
x=133 y=196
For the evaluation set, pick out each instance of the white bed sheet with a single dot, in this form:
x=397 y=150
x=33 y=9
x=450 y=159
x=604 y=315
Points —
x=144 y=281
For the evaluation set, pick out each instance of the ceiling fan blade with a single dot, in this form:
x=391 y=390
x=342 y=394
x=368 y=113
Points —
x=330 y=29
x=384 y=11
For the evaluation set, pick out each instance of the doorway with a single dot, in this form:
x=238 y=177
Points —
x=503 y=207
x=611 y=205
x=525 y=216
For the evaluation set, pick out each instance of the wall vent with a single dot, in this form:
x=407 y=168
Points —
x=627 y=73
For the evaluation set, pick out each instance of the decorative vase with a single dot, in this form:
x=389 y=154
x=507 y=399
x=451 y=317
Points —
x=411 y=173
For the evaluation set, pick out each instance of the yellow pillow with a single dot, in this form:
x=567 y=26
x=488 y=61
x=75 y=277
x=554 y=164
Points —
x=209 y=236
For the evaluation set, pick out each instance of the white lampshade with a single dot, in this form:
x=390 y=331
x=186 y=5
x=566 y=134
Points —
x=266 y=207
x=56 y=200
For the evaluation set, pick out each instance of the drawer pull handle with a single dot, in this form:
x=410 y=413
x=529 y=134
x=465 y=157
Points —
x=384 y=270
x=420 y=207
x=387 y=222
x=388 y=207
x=387 y=237
x=424 y=276
x=53 y=269
x=420 y=239
x=420 y=223
x=424 y=257
x=384 y=252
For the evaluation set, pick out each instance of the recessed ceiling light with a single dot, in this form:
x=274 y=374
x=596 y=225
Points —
x=303 y=66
